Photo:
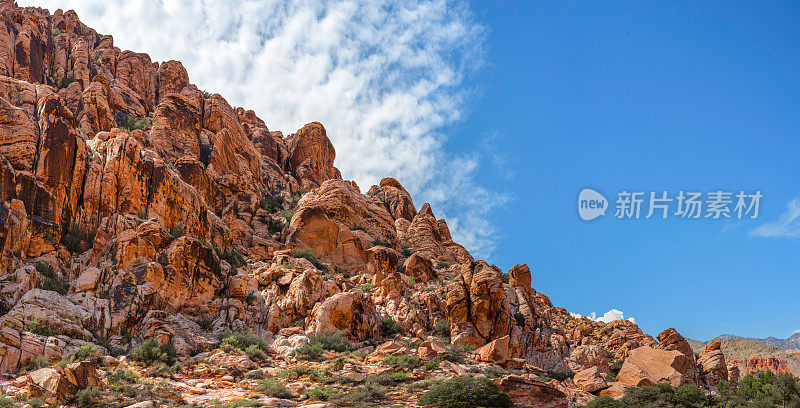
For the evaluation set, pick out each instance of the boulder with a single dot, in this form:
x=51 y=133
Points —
x=475 y=305
x=53 y=385
x=497 y=351
x=171 y=78
x=650 y=366
x=311 y=156
x=590 y=380
x=529 y=393
x=352 y=312
x=713 y=368
x=395 y=198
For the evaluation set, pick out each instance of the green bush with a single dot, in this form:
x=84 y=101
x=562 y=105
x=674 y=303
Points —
x=402 y=361
x=380 y=242
x=389 y=327
x=123 y=376
x=400 y=376
x=150 y=351
x=274 y=225
x=254 y=375
x=36 y=403
x=366 y=287
x=442 y=265
x=39 y=328
x=239 y=402
x=407 y=251
x=274 y=388
x=309 y=255
x=84 y=397
x=86 y=352
x=206 y=94
x=363 y=394
x=331 y=341
x=288 y=214
x=271 y=203
x=465 y=392
x=56 y=31
x=310 y=352
x=442 y=329
x=38 y=362
x=66 y=81
x=604 y=402
x=243 y=340
x=130 y=122
x=233 y=257
x=75 y=237
x=7 y=402
x=255 y=353
x=51 y=279
x=322 y=393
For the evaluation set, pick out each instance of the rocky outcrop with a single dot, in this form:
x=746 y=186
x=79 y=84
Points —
x=713 y=368
x=53 y=385
x=352 y=312
x=529 y=393
x=590 y=380
x=475 y=305
x=751 y=365
x=396 y=199
x=311 y=156
x=649 y=366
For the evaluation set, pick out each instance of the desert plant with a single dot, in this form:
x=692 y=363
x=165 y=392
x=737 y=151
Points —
x=254 y=353
x=407 y=250
x=309 y=255
x=442 y=329
x=243 y=340
x=366 y=287
x=274 y=225
x=331 y=341
x=84 y=397
x=254 y=375
x=51 y=279
x=380 y=242
x=389 y=327
x=310 y=352
x=465 y=392
x=150 y=351
x=206 y=94
x=233 y=257
x=271 y=203
x=130 y=122
x=403 y=361
x=274 y=388
x=66 y=81
x=75 y=237
x=36 y=327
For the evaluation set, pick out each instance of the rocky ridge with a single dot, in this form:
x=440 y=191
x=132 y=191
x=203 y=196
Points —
x=136 y=207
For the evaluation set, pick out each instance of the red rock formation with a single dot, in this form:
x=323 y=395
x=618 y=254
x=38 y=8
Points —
x=751 y=365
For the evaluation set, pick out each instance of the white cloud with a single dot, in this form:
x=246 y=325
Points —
x=383 y=78
x=787 y=225
x=607 y=317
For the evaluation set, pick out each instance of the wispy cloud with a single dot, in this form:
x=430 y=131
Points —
x=607 y=317
x=787 y=225
x=383 y=77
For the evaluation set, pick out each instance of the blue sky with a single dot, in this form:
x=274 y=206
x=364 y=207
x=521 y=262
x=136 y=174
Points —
x=644 y=97
x=499 y=112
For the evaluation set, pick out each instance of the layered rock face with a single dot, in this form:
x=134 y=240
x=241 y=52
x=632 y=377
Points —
x=754 y=364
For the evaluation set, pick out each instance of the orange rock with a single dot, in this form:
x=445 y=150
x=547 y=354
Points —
x=171 y=78
x=311 y=156
x=525 y=392
x=497 y=351
x=649 y=366
x=396 y=199
x=590 y=380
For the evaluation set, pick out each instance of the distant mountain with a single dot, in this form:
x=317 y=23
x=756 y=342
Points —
x=793 y=342
x=759 y=354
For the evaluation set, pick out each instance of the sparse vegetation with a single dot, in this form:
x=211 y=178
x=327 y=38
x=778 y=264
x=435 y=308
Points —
x=271 y=203
x=51 y=279
x=465 y=392
x=130 y=122
x=274 y=388
x=310 y=352
x=274 y=225
x=407 y=250
x=442 y=329
x=389 y=327
x=233 y=257
x=380 y=242
x=366 y=287
x=331 y=341
x=309 y=255
x=243 y=341
x=66 y=81
x=403 y=361
x=442 y=265
x=41 y=329
x=150 y=351
x=75 y=237
x=206 y=94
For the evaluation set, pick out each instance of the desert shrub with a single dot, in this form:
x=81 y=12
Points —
x=400 y=376
x=274 y=225
x=288 y=214
x=250 y=298
x=322 y=393
x=74 y=237
x=442 y=329
x=35 y=403
x=457 y=354
x=497 y=371
x=238 y=402
x=407 y=251
x=366 y=287
x=274 y=388
x=362 y=394
x=357 y=228
x=130 y=122
x=465 y=392
x=86 y=352
x=206 y=94
x=123 y=376
x=233 y=257
x=271 y=203
x=519 y=318
x=403 y=361
x=442 y=265
x=560 y=376
x=310 y=352
x=150 y=351
x=7 y=402
x=243 y=340
x=380 y=241
x=254 y=353
x=254 y=375
x=66 y=81
x=614 y=370
x=205 y=325
x=51 y=279
x=331 y=341
x=504 y=277
x=39 y=328
x=38 y=362
x=309 y=255
x=389 y=327
x=56 y=31
x=604 y=402
x=84 y=397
